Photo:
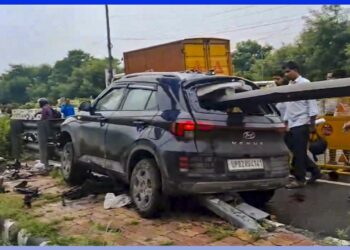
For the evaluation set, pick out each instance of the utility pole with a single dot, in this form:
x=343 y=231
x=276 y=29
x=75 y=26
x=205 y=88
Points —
x=109 y=46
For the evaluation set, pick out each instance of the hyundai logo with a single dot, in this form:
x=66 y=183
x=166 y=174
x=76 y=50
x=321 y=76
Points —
x=249 y=135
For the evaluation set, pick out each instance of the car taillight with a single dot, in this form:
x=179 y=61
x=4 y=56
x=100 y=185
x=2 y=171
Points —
x=183 y=128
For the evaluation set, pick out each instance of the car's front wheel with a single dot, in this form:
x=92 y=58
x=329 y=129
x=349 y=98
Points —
x=72 y=172
x=257 y=198
x=145 y=188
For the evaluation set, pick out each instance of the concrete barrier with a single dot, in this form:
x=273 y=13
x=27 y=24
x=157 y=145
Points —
x=12 y=234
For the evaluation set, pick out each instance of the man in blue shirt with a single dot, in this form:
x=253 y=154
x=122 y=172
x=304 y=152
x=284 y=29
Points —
x=300 y=119
x=66 y=108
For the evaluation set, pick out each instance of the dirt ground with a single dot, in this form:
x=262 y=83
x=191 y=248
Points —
x=86 y=218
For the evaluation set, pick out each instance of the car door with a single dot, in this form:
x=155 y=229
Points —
x=94 y=126
x=132 y=122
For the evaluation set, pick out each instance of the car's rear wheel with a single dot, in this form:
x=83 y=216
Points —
x=72 y=172
x=257 y=198
x=145 y=188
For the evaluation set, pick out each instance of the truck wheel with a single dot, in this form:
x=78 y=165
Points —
x=72 y=172
x=257 y=198
x=145 y=188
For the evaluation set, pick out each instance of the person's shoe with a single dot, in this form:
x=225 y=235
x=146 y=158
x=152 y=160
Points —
x=314 y=177
x=296 y=184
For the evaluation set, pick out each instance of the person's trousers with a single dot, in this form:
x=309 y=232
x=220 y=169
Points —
x=297 y=140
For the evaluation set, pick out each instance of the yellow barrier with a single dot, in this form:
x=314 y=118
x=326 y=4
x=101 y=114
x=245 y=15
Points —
x=337 y=139
x=332 y=131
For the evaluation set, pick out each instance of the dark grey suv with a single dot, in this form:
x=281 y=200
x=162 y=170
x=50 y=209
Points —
x=163 y=135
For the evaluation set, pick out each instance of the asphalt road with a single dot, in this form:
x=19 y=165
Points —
x=322 y=208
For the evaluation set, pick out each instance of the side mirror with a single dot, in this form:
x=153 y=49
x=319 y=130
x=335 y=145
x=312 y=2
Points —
x=85 y=106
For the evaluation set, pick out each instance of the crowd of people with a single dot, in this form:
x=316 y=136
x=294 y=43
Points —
x=49 y=113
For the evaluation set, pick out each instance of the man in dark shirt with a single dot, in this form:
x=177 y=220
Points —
x=46 y=110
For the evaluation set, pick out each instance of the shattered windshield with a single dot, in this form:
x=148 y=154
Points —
x=210 y=96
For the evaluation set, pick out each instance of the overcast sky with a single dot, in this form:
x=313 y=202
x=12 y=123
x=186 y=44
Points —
x=34 y=35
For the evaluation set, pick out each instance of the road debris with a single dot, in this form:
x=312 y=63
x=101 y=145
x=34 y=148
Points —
x=95 y=185
x=112 y=201
x=39 y=166
x=230 y=213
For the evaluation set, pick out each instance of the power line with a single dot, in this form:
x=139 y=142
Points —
x=251 y=26
x=247 y=15
x=256 y=26
x=230 y=11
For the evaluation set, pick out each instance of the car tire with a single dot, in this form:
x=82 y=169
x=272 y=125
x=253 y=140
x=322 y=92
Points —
x=145 y=188
x=72 y=172
x=257 y=198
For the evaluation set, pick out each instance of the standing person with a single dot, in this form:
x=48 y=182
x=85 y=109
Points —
x=66 y=108
x=46 y=110
x=280 y=80
x=300 y=119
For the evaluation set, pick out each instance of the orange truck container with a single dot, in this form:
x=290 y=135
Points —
x=198 y=54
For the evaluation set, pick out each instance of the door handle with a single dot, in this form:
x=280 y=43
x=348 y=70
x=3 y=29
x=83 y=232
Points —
x=102 y=120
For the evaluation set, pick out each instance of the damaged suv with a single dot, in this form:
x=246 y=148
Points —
x=168 y=134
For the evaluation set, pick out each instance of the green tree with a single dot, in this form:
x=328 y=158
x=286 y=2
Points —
x=324 y=41
x=77 y=75
x=263 y=69
x=246 y=55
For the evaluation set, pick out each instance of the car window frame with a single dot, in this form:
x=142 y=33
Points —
x=139 y=86
x=98 y=99
x=154 y=92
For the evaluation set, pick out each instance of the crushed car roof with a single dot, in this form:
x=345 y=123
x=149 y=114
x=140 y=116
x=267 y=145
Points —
x=313 y=90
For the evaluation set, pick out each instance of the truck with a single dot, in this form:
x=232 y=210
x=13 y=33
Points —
x=194 y=54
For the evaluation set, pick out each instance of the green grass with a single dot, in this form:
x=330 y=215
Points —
x=219 y=232
x=105 y=228
x=342 y=233
x=167 y=243
x=256 y=234
x=11 y=207
x=68 y=218
x=134 y=223
x=100 y=227
x=56 y=174
x=51 y=198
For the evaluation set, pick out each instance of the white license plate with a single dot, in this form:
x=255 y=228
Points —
x=245 y=164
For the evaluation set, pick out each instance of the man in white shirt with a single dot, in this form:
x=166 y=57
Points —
x=280 y=80
x=300 y=119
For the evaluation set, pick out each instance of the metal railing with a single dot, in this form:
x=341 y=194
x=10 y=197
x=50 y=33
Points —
x=39 y=136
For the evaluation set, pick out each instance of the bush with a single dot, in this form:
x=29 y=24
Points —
x=29 y=105
x=5 y=146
